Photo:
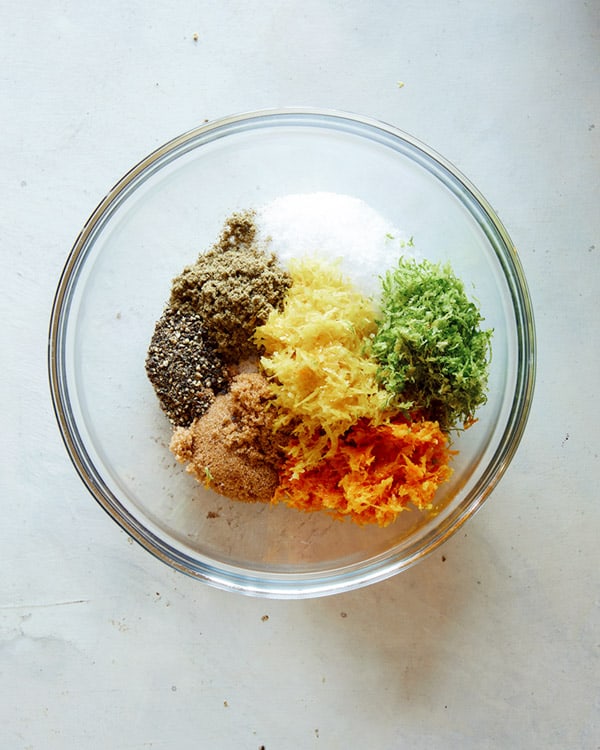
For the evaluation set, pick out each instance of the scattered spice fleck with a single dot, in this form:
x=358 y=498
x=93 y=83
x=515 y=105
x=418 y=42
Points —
x=195 y=36
x=400 y=84
x=264 y=618
x=343 y=614
x=226 y=704
x=443 y=558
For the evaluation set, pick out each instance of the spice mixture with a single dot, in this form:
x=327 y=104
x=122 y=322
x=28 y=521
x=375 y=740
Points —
x=233 y=287
x=287 y=382
x=233 y=448
x=184 y=367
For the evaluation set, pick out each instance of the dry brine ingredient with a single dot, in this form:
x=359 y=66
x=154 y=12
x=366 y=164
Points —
x=233 y=287
x=348 y=400
x=433 y=354
x=375 y=472
x=233 y=448
x=214 y=308
x=184 y=367
x=316 y=359
x=347 y=454
x=341 y=228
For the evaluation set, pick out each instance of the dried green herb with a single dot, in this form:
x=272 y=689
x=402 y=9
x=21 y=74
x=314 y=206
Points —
x=432 y=352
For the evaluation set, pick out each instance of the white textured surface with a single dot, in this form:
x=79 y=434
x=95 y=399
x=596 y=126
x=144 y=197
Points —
x=496 y=646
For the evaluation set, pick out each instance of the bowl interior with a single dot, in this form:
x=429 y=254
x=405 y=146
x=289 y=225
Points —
x=117 y=280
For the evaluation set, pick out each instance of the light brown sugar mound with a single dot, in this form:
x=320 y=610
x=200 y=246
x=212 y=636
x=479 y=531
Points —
x=232 y=448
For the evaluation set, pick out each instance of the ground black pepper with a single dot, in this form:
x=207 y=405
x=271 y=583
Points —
x=184 y=367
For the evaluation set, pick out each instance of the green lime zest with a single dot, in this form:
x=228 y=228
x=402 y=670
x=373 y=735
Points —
x=432 y=353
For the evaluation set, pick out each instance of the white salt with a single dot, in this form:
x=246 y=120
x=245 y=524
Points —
x=336 y=227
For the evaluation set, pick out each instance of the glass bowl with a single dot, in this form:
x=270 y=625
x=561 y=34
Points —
x=116 y=280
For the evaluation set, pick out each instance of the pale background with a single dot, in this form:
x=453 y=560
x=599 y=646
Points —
x=102 y=646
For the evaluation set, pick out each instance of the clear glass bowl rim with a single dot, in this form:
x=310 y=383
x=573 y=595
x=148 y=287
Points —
x=286 y=585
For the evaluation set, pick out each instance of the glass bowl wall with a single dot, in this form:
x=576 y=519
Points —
x=116 y=281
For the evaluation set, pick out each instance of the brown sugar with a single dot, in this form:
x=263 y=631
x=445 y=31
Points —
x=232 y=448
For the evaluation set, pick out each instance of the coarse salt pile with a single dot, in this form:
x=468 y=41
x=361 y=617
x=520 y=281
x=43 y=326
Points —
x=337 y=227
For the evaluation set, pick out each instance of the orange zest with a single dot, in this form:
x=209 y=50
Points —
x=375 y=472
